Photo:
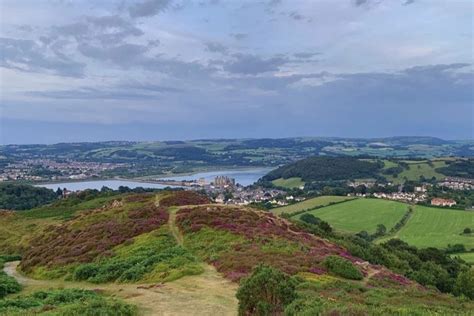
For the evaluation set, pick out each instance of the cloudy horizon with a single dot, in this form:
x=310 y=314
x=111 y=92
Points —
x=177 y=69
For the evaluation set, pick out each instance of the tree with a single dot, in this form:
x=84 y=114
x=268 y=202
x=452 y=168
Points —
x=467 y=230
x=266 y=292
x=381 y=230
x=310 y=219
x=59 y=192
x=465 y=284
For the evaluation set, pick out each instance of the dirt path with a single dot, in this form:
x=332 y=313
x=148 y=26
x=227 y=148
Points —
x=204 y=294
x=172 y=226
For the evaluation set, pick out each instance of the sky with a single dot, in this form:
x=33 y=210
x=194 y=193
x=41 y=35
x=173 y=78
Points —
x=181 y=69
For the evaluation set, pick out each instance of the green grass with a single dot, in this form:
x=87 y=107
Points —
x=361 y=214
x=63 y=210
x=289 y=183
x=310 y=204
x=468 y=256
x=434 y=227
x=65 y=302
x=417 y=169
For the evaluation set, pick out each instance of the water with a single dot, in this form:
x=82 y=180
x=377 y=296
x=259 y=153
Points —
x=113 y=184
x=244 y=177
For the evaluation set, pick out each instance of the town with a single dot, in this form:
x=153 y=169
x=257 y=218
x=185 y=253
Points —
x=55 y=170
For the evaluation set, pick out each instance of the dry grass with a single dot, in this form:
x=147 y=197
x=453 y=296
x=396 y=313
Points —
x=205 y=294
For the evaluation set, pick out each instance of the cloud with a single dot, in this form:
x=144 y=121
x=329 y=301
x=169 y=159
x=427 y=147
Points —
x=148 y=8
x=215 y=47
x=106 y=29
x=239 y=36
x=253 y=65
x=31 y=56
x=306 y=55
x=124 y=91
x=296 y=16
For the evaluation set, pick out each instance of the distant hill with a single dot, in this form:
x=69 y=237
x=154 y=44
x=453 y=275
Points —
x=397 y=171
x=327 y=168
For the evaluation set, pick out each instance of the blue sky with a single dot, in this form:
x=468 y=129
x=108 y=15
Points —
x=181 y=69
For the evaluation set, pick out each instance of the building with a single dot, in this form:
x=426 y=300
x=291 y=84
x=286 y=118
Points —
x=443 y=202
x=224 y=181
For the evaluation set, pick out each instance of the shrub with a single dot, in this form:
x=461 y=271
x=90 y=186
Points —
x=342 y=267
x=8 y=285
x=66 y=302
x=266 y=292
x=465 y=284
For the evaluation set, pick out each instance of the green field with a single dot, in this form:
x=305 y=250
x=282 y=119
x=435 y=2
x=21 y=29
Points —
x=434 y=227
x=361 y=214
x=289 y=183
x=310 y=204
x=468 y=257
x=417 y=169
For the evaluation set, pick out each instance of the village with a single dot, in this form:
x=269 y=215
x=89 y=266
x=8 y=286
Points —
x=54 y=170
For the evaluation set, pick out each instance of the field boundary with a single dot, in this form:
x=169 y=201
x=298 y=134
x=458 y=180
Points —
x=400 y=224
x=294 y=214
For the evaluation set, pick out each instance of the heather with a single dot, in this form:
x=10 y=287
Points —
x=326 y=295
x=93 y=233
x=151 y=257
x=65 y=302
x=235 y=240
x=180 y=198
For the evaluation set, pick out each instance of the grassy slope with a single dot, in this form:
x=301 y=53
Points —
x=289 y=183
x=468 y=257
x=309 y=204
x=362 y=214
x=434 y=227
x=234 y=240
x=417 y=169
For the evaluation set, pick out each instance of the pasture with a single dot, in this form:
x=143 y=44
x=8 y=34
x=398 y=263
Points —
x=436 y=227
x=468 y=257
x=361 y=214
x=310 y=204
x=289 y=183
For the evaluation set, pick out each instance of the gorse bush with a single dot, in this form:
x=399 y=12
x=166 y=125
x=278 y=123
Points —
x=8 y=284
x=266 y=292
x=342 y=267
x=65 y=302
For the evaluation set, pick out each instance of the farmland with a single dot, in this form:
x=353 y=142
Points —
x=468 y=257
x=361 y=214
x=289 y=183
x=434 y=227
x=310 y=204
x=416 y=169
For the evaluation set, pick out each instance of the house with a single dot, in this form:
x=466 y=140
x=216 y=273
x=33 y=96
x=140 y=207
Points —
x=443 y=202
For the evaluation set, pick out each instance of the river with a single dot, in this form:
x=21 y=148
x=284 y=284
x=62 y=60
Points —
x=243 y=177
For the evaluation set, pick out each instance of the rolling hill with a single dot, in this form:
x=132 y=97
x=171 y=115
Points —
x=173 y=252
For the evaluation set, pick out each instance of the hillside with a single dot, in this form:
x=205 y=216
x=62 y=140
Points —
x=162 y=250
x=316 y=171
x=326 y=168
